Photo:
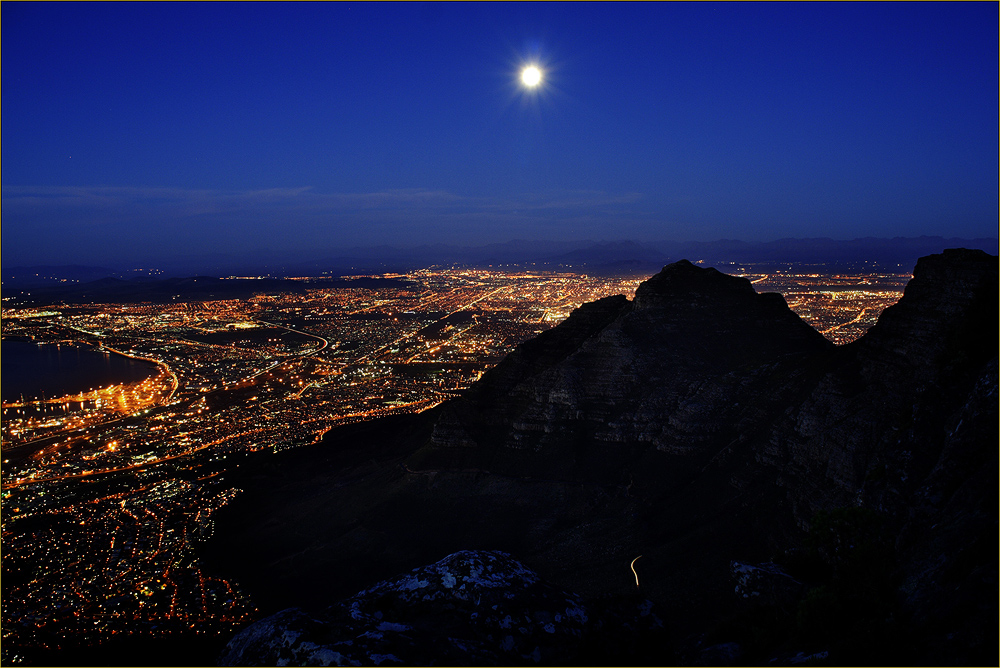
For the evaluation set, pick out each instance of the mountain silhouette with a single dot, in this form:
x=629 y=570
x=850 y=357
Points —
x=790 y=498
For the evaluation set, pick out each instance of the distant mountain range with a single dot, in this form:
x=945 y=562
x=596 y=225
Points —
x=166 y=290
x=610 y=257
x=640 y=257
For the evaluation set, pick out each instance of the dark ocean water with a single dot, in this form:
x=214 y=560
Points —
x=33 y=370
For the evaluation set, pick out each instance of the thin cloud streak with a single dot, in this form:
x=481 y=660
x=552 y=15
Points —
x=175 y=201
x=93 y=222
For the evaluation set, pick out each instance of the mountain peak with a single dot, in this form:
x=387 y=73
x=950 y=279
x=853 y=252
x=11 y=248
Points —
x=684 y=282
x=612 y=378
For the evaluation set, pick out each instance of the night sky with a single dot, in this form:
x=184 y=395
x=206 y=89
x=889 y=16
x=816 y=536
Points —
x=139 y=132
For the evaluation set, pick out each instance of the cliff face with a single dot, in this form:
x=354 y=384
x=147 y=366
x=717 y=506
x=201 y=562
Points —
x=888 y=409
x=708 y=428
x=904 y=423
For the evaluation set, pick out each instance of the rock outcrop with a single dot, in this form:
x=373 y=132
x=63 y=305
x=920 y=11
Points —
x=701 y=425
x=888 y=406
x=684 y=369
x=470 y=608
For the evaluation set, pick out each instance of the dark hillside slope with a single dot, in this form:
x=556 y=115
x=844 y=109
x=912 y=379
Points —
x=787 y=496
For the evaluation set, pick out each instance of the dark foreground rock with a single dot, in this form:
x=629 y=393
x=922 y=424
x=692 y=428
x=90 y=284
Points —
x=470 y=608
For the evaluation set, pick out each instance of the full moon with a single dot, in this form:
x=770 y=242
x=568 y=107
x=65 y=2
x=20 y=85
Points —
x=531 y=76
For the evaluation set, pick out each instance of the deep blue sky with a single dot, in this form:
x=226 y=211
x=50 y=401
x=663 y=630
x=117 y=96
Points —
x=144 y=131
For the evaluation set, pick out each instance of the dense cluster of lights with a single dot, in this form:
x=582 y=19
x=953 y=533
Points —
x=124 y=480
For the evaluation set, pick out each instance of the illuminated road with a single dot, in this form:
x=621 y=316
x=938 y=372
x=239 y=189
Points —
x=157 y=362
x=857 y=319
x=406 y=337
x=87 y=474
x=326 y=344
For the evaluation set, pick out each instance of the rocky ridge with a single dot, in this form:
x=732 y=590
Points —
x=675 y=370
x=701 y=425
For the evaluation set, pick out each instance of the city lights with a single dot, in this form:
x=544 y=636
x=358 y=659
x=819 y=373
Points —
x=122 y=481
